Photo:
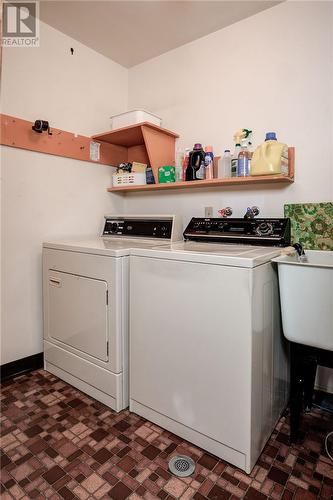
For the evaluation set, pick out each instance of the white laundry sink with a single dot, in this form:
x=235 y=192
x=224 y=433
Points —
x=306 y=295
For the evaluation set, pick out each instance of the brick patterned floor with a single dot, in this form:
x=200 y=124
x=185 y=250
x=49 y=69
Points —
x=59 y=443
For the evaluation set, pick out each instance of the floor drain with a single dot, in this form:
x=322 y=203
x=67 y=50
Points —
x=181 y=466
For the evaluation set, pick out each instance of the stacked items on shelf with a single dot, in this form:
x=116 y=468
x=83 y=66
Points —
x=142 y=143
x=270 y=158
x=196 y=164
x=132 y=174
x=154 y=148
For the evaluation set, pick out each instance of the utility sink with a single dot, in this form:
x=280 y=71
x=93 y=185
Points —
x=306 y=295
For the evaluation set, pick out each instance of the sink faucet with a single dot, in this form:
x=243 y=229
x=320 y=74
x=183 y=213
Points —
x=251 y=212
x=300 y=252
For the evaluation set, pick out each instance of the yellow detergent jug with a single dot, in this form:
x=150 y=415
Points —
x=270 y=158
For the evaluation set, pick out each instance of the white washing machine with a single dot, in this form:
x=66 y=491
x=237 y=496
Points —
x=85 y=300
x=207 y=356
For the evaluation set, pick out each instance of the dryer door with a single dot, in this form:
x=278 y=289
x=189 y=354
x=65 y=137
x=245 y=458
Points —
x=78 y=312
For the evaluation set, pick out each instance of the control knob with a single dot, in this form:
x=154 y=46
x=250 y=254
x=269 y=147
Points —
x=264 y=229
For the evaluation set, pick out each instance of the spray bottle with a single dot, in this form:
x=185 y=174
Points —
x=243 y=164
x=239 y=136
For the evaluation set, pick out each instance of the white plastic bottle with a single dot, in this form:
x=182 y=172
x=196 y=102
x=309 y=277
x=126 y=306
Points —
x=224 y=170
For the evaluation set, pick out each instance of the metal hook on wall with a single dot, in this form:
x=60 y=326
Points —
x=41 y=126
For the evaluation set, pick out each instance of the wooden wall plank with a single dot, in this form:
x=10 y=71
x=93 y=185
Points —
x=17 y=133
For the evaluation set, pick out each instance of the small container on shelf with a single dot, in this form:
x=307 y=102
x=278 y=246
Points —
x=138 y=167
x=129 y=179
x=224 y=170
x=133 y=117
x=166 y=174
x=150 y=176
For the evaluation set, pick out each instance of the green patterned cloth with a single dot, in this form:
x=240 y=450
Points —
x=311 y=224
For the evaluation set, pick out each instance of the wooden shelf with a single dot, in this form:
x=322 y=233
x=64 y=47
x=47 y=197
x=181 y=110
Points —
x=132 y=135
x=232 y=181
x=143 y=142
x=17 y=133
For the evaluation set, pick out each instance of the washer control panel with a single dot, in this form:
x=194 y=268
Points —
x=270 y=232
x=139 y=227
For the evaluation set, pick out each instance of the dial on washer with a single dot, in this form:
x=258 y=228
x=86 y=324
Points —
x=264 y=229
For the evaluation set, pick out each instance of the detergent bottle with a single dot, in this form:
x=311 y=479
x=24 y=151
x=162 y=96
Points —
x=270 y=158
x=196 y=156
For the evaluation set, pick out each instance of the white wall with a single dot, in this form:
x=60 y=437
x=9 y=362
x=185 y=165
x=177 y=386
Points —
x=272 y=71
x=76 y=92
x=44 y=196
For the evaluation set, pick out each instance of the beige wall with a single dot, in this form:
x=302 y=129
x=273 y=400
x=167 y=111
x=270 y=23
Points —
x=272 y=71
x=43 y=196
x=76 y=93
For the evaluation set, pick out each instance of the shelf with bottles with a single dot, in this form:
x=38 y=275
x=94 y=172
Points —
x=209 y=183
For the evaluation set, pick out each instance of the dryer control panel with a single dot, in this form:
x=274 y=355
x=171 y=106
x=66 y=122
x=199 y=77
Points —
x=138 y=227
